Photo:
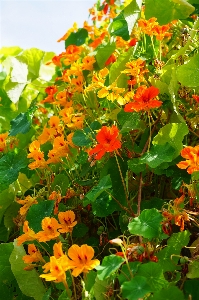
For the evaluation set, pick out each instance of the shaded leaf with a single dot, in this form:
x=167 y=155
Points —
x=136 y=288
x=21 y=124
x=80 y=230
x=174 y=245
x=6 y=198
x=171 y=293
x=77 y=38
x=38 y=212
x=103 y=205
x=10 y=165
x=80 y=138
x=61 y=183
x=104 y=184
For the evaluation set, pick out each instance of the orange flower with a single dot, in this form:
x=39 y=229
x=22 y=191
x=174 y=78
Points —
x=50 y=227
x=34 y=255
x=108 y=141
x=3 y=137
x=144 y=99
x=82 y=259
x=192 y=156
x=57 y=197
x=29 y=234
x=67 y=220
x=27 y=203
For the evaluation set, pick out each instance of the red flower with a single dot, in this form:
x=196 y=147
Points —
x=133 y=42
x=144 y=99
x=108 y=141
x=196 y=97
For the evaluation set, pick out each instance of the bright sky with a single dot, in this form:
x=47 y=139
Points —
x=40 y=23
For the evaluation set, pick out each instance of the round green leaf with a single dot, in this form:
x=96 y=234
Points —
x=171 y=293
x=136 y=288
x=154 y=274
x=77 y=38
x=188 y=74
x=80 y=230
x=147 y=224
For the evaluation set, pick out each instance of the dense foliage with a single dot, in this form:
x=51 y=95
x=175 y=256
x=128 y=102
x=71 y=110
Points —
x=99 y=158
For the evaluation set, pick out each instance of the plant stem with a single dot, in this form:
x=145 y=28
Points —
x=66 y=287
x=123 y=183
x=75 y=293
x=139 y=194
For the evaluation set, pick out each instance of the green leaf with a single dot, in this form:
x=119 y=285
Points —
x=14 y=90
x=90 y=280
x=10 y=213
x=100 y=288
x=158 y=154
x=193 y=270
x=103 y=205
x=9 y=51
x=110 y=265
x=104 y=184
x=38 y=212
x=46 y=296
x=132 y=122
x=167 y=10
x=29 y=282
x=103 y=53
x=188 y=74
x=119 y=27
x=117 y=67
x=61 y=183
x=6 y=198
x=19 y=71
x=135 y=166
x=77 y=38
x=174 y=246
x=21 y=124
x=131 y=13
x=136 y=288
x=80 y=230
x=6 y=274
x=191 y=287
x=115 y=172
x=33 y=57
x=170 y=293
x=154 y=275
x=10 y=165
x=173 y=134
x=80 y=138
x=64 y=295
x=147 y=224
x=125 y=271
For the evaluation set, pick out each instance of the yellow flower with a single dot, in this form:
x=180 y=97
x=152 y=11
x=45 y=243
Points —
x=67 y=220
x=57 y=268
x=82 y=259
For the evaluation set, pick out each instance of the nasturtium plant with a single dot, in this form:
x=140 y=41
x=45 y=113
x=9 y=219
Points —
x=99 y=158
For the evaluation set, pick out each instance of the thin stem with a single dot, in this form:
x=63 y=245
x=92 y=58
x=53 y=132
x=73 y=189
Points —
x=66 y=287
x=123 y=183
x=149 y=144
x=130 y=212
x=74 y=288
x=153 y=47
x=139 y=194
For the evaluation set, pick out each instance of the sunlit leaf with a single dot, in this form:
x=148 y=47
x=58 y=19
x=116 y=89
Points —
x=29 y=282
x=77 y=38
x=110 y=265
x=147 y=224
x=104 y=184
x=188 y=74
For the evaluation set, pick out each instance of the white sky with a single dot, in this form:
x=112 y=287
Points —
x=40 y=23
